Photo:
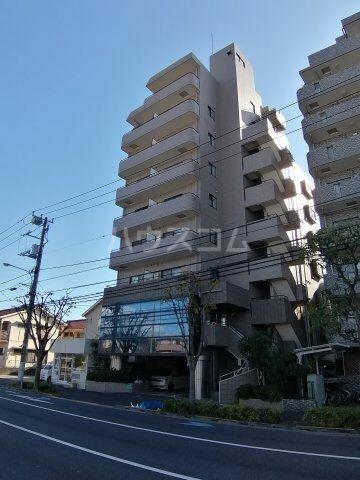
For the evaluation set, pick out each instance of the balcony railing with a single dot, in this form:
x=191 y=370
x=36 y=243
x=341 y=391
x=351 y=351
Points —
x=166 y=124
x=172 y=147
x=341 y=47
x=179 y=244
x=333 y=114
x=327 y=86
x=171 y=178
x=181 y=206
x=342 y=191
x=339 y=151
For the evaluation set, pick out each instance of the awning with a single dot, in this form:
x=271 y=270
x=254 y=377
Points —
x=319 y=349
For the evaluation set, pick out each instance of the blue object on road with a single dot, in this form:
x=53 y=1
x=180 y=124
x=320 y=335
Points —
x=151 y=405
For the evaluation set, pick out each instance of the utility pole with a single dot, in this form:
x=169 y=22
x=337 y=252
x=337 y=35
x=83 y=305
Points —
x=32 y=293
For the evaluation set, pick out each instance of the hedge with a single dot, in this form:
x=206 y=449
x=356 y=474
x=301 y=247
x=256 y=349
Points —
x=266 y=393
x=230 y=412
x=335 y=417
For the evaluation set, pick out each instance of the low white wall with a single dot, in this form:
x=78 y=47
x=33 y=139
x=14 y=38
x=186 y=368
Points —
x=108 y=387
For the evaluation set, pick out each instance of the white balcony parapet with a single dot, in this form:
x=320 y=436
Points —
x=344 y=191
x=187 y=64
x=164 y=99
x=185 y=205
x=342 y=46
x=334 y=114
x=336 y=154
x=174 y=246
x=266 y=193
x=183 y=114
x=170 y=148
x=328 y=83
x=161 y=182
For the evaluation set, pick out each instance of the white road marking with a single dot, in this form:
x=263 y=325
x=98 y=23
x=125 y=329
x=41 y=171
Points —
x=187 y=437
x=100 y=454
x=27 y=397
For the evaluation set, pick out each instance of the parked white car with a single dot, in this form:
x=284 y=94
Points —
x=45 y=372
x=170 y=379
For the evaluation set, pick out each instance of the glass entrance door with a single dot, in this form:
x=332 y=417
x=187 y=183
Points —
x=66 y=365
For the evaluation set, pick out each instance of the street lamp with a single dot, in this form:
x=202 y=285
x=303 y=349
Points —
x=18 y=268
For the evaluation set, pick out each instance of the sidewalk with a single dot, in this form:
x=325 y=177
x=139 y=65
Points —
x=112 y=399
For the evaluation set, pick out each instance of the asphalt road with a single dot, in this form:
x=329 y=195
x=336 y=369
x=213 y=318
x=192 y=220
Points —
x=47 y=438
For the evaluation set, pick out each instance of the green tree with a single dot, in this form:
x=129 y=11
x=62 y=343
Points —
x=272 y=364
x=337 y=250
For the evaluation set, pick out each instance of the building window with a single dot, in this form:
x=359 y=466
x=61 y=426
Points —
x=171 y=233
x=213 y=237
x=211 y=112
x=135 y=279
x=212 y=169
x=229 y=52
x=252 y=106
x=326 y=71
x=212 y=201
x=171 y=272
x=5 y=326
x=240 y=60
x=138 y=242
x=211 y=139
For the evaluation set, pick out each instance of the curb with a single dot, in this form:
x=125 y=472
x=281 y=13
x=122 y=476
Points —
x=221 y=421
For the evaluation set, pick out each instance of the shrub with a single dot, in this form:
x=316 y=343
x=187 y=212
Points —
x=266 y=393
x=230 y=412
x=335 y=417
x=47 y=388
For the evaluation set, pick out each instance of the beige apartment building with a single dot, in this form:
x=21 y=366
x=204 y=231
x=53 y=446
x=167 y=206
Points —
x=210 y=186
x=11 y=342
x=330 y=102
x=73 y=351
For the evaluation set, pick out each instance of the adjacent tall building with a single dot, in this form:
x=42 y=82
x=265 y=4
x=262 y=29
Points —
x=211 y=187
x=330 y=102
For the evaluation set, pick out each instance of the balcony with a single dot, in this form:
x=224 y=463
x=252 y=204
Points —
x=333 y=196
x=334 y=121
x=269 y=229
x=187 y=64
x=4 y=335
x=329 y=89
x=174 y=247
x=339 y=154
x=343 y=54
x=78 y=346
x=262 y=195
x=276 y=118
x=161 y=127
x=278 y=311
x=166 y=212
x=309 y=214
x=275 y=270
x=258 y=133
x=185 y=87
x=161 y=182
x=291 y=220
x=286 y=158
x=264 y=161
x=170 y=148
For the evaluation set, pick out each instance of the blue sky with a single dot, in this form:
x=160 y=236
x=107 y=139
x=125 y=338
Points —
x=72 y=70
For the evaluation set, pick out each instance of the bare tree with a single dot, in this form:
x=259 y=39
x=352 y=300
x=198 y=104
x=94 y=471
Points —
x=47 y=325
x=187 y=303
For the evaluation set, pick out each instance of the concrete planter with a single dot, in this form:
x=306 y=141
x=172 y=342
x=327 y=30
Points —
x=257 y=403
x=109 y=387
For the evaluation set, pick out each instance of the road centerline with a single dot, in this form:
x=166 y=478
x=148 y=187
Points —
x=100 y=454
x=187 y=437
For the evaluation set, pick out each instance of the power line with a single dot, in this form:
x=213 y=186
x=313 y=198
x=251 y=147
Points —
x=178 y=155
x=285 y=134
